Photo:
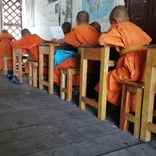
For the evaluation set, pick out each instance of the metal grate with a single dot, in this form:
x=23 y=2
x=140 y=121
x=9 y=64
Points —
x=12 y=17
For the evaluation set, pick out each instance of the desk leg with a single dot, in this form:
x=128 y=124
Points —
x=102 y=102
x=148 y=100
x=62 y=84
x=14 y=62
x=69 y=86
x=40 y=71
x=83 y=80
x=51 y=70
x=20 y=67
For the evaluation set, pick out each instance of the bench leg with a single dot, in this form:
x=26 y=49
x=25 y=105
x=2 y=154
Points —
x=62 y=85
x=34 y=76
x=125 y=108
x=137 y=119
x=40 y=71
x=69 y=86
x=30 y=74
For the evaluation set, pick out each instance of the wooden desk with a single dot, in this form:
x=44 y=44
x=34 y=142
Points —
x=97 y=53
x=147 y=125
x=18 y=57
x=48 y=49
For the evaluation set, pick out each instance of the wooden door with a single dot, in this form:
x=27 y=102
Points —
x=143 y=14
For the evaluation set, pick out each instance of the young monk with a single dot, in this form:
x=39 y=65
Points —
x=29 y=43
x=97 y=26
x=83 y=33
x=131 y=66
x=5 y=48
x=66 y=27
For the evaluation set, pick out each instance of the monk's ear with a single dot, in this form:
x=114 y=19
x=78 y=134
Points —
x=77 y=23
x=113 y=21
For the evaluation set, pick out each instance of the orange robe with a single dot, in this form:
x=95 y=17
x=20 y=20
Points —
x=81 y=34
x=131 y=66
x=5 y=49
x=29 y=43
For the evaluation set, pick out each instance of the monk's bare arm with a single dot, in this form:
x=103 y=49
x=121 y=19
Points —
x=58 y=41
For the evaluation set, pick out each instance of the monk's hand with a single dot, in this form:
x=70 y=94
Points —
x=54 y=40
x=101 y=43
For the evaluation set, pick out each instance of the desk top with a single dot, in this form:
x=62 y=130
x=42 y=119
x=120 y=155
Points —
x=56 y=45
x=93 y=46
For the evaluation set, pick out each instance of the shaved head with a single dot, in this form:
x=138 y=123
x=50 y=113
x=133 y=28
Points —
x=66 y=26
x=82 y=17
x=4 y=31
x=96 y=26
x=25 y=32
x=119 y=14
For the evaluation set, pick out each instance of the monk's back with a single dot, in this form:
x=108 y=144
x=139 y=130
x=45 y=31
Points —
x=82 y=34
x=33 y=39
x=132 y=34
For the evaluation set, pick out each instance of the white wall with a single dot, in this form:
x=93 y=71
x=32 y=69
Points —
x=45 y=16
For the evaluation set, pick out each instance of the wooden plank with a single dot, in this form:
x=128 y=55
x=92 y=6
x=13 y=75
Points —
x=151 y=127
x=138 y=150
x=90 y=102
x=62 y=85
x=92 y=53
x=51 y=127
x=30 y=74
x=105 y=52
x=69 y=81
x=50 y=70
x=40 y=68
x=148 y=100
x=83 y=79
x=138 y=111
x=92 y=147
x=129 y=117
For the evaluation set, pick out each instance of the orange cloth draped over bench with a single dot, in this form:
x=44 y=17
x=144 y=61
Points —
x=29 y=43
x=5 y=49
x=131 y=66
x=81 y=34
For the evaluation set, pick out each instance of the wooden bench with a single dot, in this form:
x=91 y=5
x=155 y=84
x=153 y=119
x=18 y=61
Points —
x=66 y=86
x=48 y=49
x=5 y=66
x=97 y=53
x=129 y=88
x=147 y=125
x=18 y=62
x=33 y=73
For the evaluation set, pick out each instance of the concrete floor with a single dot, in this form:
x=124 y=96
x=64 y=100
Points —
x=33 y=123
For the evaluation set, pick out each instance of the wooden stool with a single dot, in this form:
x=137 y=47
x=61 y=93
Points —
x=5 y=66
x=33 y=73
x=17 y=58
x=18 y=63
x=129 y=88
x=66 y=82
x=147 y=125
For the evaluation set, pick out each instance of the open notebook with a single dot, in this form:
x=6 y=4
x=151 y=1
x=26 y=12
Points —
x=57 y=32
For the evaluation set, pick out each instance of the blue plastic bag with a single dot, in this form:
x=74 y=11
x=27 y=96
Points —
x=62 y=55
x=12 y=78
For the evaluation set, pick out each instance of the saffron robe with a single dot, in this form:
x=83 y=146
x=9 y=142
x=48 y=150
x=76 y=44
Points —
x=5 y=49
x=29 y=43
x=81 y=34
x=129 y=67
